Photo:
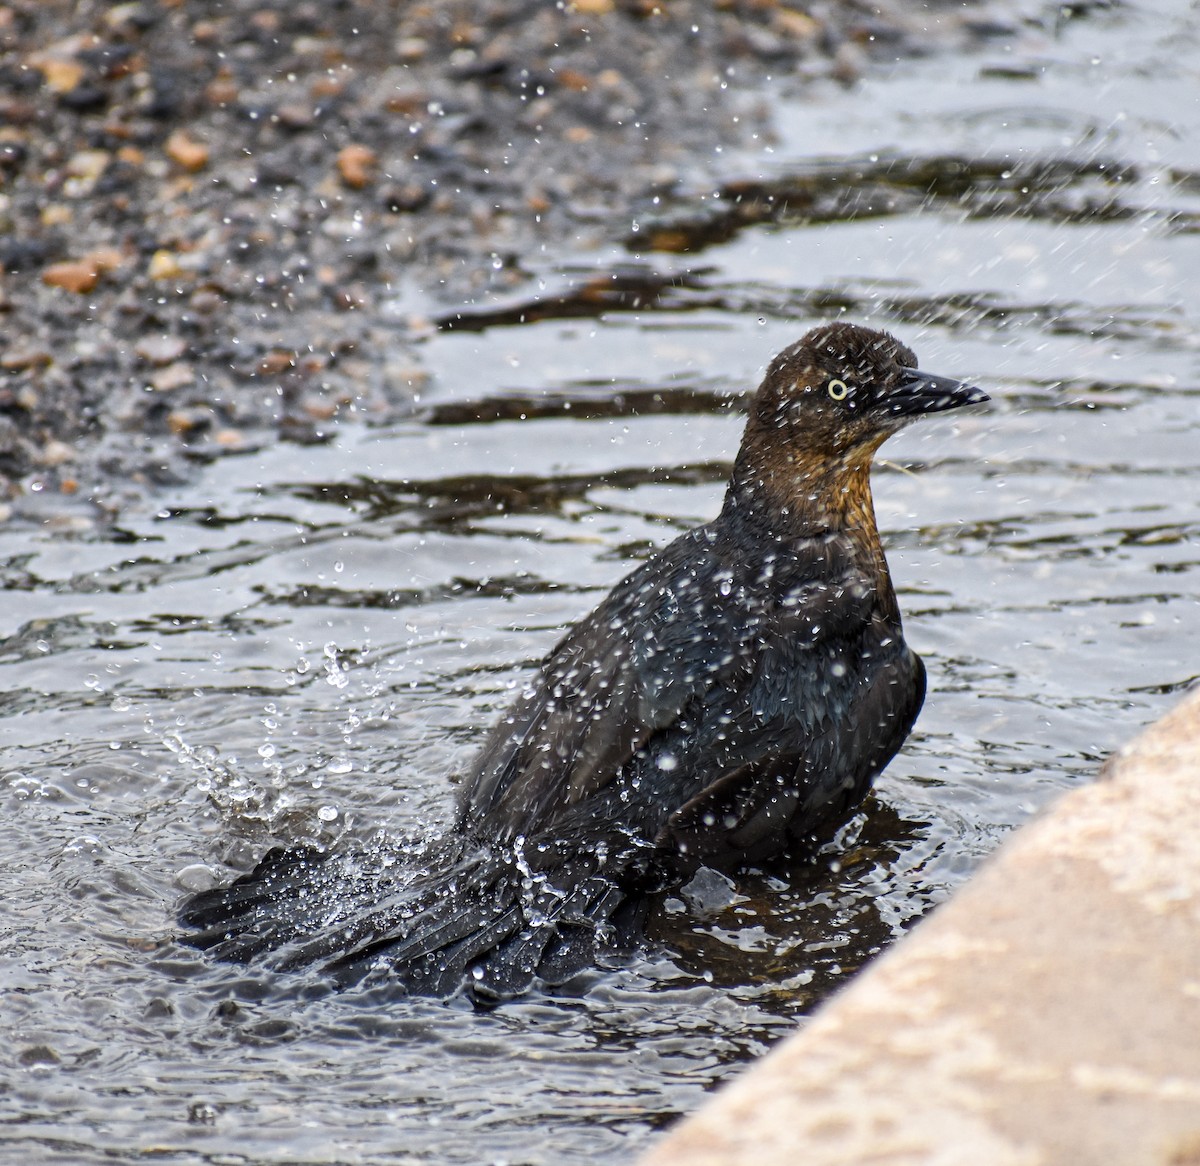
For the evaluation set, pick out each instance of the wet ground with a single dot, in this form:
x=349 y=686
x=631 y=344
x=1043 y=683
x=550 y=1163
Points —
x=207 y=209
x=304 y=642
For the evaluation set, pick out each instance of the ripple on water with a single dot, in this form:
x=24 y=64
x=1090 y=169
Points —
x=308 y=645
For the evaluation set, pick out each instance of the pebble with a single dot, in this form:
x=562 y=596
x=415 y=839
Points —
x=82 y=275
x=356 y=164
x=405 y=197
x=61 y=76
x=20 y=359
x=55 y=453
x=75 y=275
x=56 y=215
x=185 y=151
x=164 y=265
x=276 y=362
x=88 y=164
x=160 y=350
x=188 y=422
x=178 y=375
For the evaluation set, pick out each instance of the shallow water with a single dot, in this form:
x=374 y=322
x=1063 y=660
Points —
x=307 y=643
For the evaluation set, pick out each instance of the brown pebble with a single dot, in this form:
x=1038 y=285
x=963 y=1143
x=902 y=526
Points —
x=230 y=438
x=674 y=241
x=204 y=31
x=591 y=7
x=265 y=20
x=407 y=101
x=184 y=150
x=82 y=275
x=175 y=376
x=294 y=116
x=573 y=79
x=326 y=87
x=356 y=164
x=75 y=275
x=105 y=258
x=410 y=49
x=206 y=300
x=578 y=134
x=406 y=197
x=796 y=25
x=20 y=359
x=320 y=410
x=183 y=422
x=275 y=362
x=160 y=350
x=62 y=76
x=221 y=91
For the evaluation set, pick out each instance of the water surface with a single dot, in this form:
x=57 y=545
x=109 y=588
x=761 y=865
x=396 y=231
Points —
x=308 y=643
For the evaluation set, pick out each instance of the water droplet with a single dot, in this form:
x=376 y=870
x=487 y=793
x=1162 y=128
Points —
x=327 y=813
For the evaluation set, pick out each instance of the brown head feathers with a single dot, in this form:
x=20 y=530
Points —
x=825 y=406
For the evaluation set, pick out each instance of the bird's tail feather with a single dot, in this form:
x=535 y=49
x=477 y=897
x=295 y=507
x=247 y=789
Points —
x=475 y=916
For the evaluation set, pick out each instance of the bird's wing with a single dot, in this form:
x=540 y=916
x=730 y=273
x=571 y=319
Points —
x=805 y=786
x=628 y=670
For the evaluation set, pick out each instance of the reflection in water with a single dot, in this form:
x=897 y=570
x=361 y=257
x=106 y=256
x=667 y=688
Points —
x=322 y=634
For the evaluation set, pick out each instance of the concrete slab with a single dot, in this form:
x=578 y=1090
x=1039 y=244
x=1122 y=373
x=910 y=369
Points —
x=1048 y=1014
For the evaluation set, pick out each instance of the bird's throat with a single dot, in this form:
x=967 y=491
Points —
x=802 y=494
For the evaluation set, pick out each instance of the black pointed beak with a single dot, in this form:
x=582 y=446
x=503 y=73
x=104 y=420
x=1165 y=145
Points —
x=917 y=393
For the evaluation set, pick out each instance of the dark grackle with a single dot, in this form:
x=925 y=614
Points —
x=730 y=701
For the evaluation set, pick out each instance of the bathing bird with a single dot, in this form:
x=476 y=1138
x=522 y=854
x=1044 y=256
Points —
x=729 y=703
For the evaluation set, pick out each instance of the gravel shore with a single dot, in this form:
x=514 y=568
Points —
x=209 y=210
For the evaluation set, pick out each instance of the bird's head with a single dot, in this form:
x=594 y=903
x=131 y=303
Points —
x=842 y=390
x=825 y=406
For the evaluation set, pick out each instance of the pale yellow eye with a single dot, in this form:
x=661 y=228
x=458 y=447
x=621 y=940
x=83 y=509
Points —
x=838 y=390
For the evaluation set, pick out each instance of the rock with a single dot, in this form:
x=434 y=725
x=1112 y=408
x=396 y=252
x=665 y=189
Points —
x=56 y=215
x=189 y=422
x=164 y=265
x=356 y=164
x=276 y=362
x=185 y=151
x=55 y=453
x=82 y=275
x=61 y=75
x=404 y=198
x=21 y=359
x=178 y=375
x=75 y=275
x=160 y=350
x=88 y=164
